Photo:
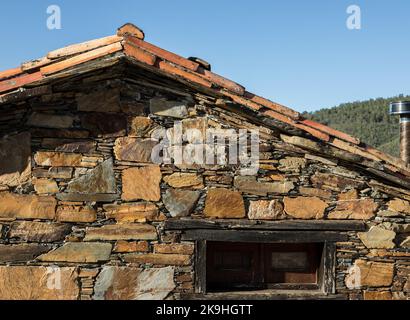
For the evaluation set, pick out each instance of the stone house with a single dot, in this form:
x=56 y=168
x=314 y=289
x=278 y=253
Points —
x=86 y=213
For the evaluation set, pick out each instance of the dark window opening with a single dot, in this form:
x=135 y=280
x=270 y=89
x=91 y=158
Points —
x=254 y=266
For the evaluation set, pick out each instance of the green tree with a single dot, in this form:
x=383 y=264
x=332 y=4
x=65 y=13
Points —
x=367 y=120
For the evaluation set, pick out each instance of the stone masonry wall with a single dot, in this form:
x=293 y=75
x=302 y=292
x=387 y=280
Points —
x=82 y=207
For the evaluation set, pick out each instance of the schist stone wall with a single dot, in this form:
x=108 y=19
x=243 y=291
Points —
x=82 y=208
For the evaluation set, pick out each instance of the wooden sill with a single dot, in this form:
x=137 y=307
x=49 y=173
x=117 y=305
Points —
x=268 y=294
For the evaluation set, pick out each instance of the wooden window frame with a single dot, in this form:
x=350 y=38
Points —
x=326 y=272
x=327 y=232
x=259 y=273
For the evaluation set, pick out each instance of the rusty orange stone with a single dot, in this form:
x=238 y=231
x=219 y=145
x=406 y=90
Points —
x=224 y=203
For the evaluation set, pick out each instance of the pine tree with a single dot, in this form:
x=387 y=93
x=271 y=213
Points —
x=368 y=120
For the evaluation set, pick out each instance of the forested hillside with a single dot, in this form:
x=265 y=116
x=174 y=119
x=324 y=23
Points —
x=368 y=120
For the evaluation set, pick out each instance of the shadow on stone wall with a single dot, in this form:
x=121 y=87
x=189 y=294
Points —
x=15 y=159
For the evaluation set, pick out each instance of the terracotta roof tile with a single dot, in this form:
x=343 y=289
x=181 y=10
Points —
x=353 y=149
x=243 y=101
x=173 y=64
x=16 y=82
x=278 y=116
x=223 y=82
x=9 y=73
x=316 y=133
x=272 y=105
x=81 y=58
x=331 y=131
x=139 y=54
x=37 y=63
x=83 y=47
x=168 y=67
x=203 y=63
x=130 y=29
x=164 y=54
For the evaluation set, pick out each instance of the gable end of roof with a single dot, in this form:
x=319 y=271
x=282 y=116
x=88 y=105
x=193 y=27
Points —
x=129 y=40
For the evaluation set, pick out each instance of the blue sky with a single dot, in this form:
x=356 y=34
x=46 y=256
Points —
x=296 y=52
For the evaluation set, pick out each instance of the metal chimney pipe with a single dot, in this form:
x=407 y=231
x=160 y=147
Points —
x=402 y=108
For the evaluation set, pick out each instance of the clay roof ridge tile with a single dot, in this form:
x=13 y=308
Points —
x=130 y=30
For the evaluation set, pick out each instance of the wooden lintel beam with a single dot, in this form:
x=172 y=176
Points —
x=232 y=224
x=263 y=236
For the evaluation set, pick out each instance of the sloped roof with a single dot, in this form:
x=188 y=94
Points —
x=129 y=42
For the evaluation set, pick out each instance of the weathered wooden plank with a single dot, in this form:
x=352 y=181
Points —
x=200 y=266
x=244 y=102
x=19 y=81
x=396 y=162
x=394 y=191
x=338 y=143
x=390 y=178
x=330 y=225
x=264 y=295
x=82 y=47
x=76 y=71
x=329 y=268
x=23 y=94
x=37 y=63
x=263 y=236
x=188 y=85
x=81 y=58
x=312 y=131
x=146 y=83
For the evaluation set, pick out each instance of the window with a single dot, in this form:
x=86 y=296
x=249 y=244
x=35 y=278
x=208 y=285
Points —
x=234 y=266
x=261 y=258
